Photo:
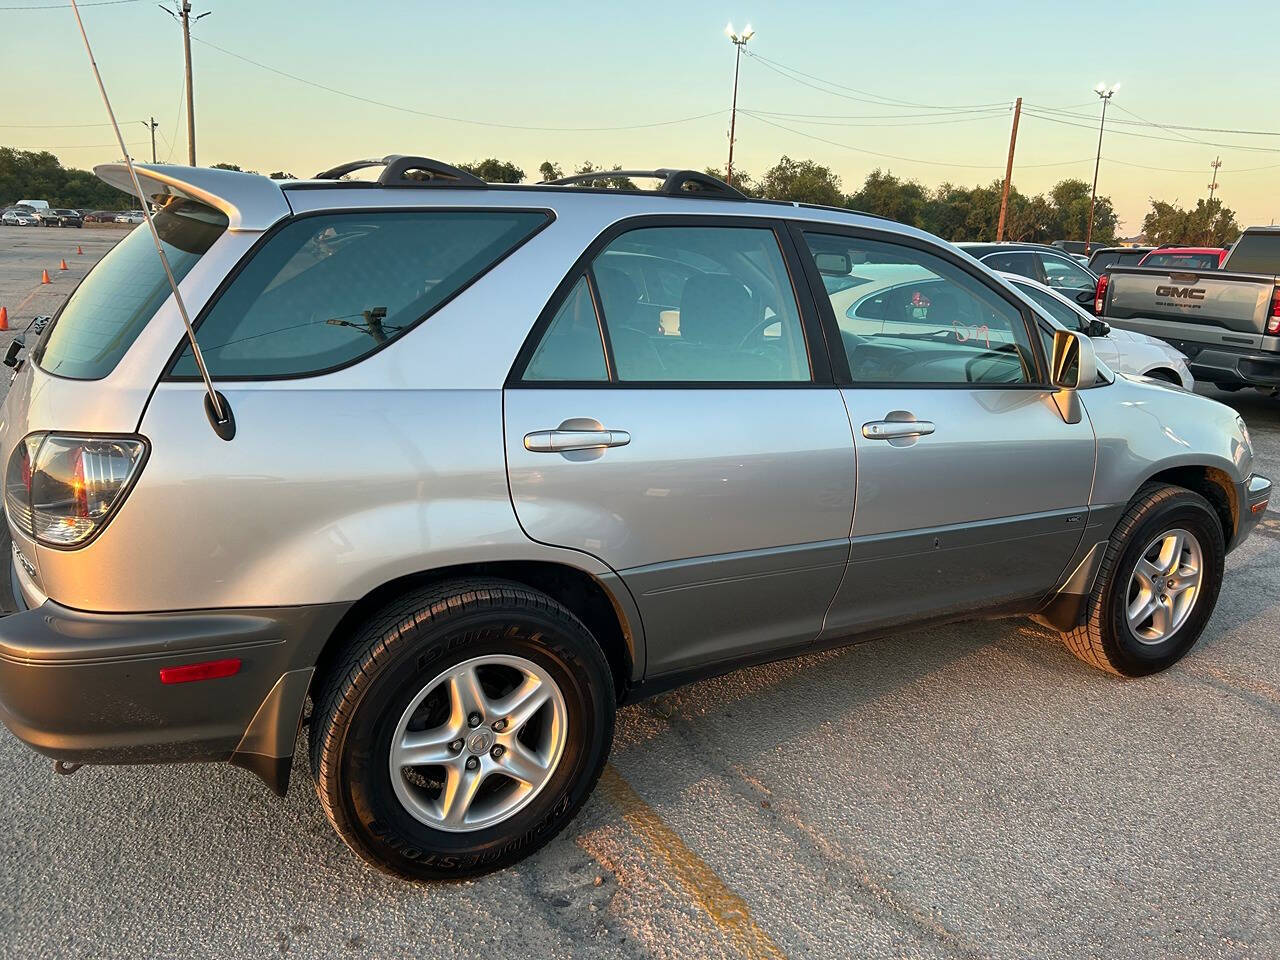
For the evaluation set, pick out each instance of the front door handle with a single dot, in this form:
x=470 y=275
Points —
x=896 y=429
x=563 y=441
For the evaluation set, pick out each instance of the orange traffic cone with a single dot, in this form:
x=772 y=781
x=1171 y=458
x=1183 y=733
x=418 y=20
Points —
x=79 y=251
x=44 y=276
x=4 y=318
x=62 y=265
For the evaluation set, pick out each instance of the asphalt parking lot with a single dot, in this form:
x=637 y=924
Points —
x=971 y=790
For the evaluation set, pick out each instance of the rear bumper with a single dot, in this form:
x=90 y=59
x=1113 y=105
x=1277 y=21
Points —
x=1216 y=364
x=1253 y=495
x=85 y=687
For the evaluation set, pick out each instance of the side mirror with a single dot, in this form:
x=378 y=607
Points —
x=1098 y=328
x=1073 y=367
x=1085 y=298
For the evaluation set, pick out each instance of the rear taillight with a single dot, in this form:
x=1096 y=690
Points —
x=62 y=489
x=1100 y=295
x=1273 y=322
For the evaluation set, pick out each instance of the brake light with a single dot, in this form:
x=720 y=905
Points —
x=1273 y=324
x=61 y=490
x=1100 y=295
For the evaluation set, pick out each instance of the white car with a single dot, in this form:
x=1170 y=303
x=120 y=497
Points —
x=1124 y=351
x=20 y=218
x=130 y=216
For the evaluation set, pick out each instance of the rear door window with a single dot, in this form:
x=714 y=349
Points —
x=326 y=291
x=1061 y=272
x=121 y=294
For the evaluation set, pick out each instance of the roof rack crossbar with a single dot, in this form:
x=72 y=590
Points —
x=675 y=183
x=398 y=170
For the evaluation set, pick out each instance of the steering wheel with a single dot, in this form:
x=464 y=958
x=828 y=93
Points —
x=757 y=330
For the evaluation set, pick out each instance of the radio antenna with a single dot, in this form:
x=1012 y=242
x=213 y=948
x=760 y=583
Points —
x=215 y=404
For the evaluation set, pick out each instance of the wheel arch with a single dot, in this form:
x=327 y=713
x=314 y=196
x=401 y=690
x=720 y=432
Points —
x=606 y=608
x=1212 y=483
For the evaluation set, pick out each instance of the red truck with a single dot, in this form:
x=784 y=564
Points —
x=1185 y=258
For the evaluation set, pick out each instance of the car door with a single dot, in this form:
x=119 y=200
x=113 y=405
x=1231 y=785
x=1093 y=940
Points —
x=1067 y=277
x=708 y=458
x=972 y=491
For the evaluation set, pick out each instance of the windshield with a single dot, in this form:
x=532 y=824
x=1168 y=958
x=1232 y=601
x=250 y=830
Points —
x=122 y=293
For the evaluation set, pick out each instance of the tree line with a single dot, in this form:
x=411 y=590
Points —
x=951 y=211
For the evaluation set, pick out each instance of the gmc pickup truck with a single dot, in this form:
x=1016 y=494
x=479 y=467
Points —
x=1226 y=321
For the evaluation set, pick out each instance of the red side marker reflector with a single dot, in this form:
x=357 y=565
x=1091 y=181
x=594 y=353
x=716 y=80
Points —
x=209 y=670
x=1259 y=507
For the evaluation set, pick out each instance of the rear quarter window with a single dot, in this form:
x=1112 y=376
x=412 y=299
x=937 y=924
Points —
x=327 y=290
x=121 y=294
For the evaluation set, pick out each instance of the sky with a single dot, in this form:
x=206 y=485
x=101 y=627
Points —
x=923 y=89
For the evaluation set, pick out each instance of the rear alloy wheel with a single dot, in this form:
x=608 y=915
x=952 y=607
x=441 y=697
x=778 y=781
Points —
x=462 y=729
x=1157 y=585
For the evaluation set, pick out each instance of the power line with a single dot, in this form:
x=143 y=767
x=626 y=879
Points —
x=881 y=100
x=1148 y=136
x=1141 y=122
x=58 y=126
x=891 y=156
x=903 y=123
x=67 y=6
x=438 y=116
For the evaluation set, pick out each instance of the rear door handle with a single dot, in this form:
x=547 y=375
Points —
x=896 y=429
x=562 y=441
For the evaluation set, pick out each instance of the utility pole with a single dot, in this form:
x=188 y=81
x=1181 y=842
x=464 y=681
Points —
x=1217 y=162
x=1104 y=93
x=184 y=14
x=739 y=41
x=153 y=126
x=1008 y=171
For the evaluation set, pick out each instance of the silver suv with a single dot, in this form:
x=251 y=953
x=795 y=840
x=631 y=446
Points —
x=487 y=461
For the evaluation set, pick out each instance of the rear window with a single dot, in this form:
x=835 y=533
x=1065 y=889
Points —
x=121 y=294
x=1255 y=253
x=328 y=290
x=1188 y=261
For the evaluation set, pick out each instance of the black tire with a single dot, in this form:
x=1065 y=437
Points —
x=366 y=689
x=1105 y=639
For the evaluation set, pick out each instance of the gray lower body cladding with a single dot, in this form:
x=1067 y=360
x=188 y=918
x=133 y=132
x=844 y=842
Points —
x=85 y=687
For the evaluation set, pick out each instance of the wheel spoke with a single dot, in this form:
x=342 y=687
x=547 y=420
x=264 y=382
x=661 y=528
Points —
x=420 y=748
x=465 y=696
x=1161 y=618
x=1146 y=571
x=522 y=764
x=1142 y=607
x=1171 y=552
x=519 y=706
x=460 y=788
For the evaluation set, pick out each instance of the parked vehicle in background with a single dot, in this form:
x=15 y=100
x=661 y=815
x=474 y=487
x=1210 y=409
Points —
x=101 y=216
x=36 y=205
x=1124 y=351
x=634 y=485
x=1074 y=247
x=1227 y=320
x=1190 y=258
x=16 y=217
x=1044 y=264
x=60 y=217
x=130 y=216
x=1103 y=258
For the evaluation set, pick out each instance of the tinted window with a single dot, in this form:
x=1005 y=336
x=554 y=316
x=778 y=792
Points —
x=912 y=317
x=571 y=348
x=720 y=309
x=325 y=291
x=1185 y=261
x=1023 y=264
x=1256 y=253
x=1053 y=306
x=1061 y=272
x=114 y=302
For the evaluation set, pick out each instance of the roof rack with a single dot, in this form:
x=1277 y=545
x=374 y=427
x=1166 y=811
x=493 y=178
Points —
x=675 y=183
x=404 y=171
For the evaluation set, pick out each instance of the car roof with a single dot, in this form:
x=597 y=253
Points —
x=255 y=202
x=1189 y=250
x=979 y=248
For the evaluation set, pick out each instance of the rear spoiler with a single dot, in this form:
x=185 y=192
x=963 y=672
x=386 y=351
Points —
x=250 y=201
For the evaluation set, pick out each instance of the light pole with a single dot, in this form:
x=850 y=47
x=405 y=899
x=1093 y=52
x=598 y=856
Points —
x=739 y=40
x=152 y=127
x=1105 y=94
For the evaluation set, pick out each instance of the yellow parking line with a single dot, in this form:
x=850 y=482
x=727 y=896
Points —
x=728 y=911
